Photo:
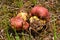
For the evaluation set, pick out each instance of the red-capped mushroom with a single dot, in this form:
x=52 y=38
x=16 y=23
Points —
x=18 y=23
x=40 y=12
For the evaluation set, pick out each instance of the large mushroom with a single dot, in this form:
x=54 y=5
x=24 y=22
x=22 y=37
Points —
x=19 y=22
x=41 y=12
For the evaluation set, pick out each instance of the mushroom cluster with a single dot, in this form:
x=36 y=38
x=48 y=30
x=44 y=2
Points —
x=38 y=15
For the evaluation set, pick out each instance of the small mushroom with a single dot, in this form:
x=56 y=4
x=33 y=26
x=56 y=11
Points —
x=18 y=23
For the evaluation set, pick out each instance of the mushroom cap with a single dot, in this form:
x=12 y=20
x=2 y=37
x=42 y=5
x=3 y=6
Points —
x=41 y=12
x=16 y=23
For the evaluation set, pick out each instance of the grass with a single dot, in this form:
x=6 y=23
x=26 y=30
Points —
x=8 y=36
x=19 y=3
x=17 y=36
x=54 y=27
x=6 y=16
x=6 y=22
x=55 y=35
x=34 y=1
x=23 y=38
